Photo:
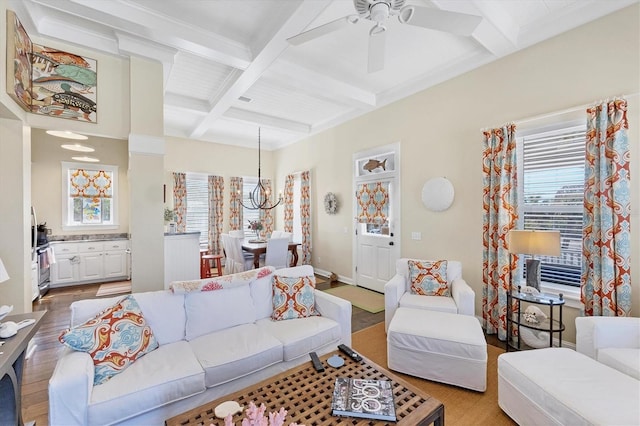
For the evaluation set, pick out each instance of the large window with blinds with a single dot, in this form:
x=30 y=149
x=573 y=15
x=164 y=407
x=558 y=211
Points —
x=248 y=185
x=198 y=206
x=551 y=191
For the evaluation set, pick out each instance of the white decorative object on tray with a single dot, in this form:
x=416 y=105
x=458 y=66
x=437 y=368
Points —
x=535 y=339
x=223 y=409
x=534 y=315
x=5 y=310
x=335 y=361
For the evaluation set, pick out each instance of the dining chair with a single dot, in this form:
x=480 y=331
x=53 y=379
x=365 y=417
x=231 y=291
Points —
x=236 y=261
x=238 y=233
x=277 y=252
x=282 y=234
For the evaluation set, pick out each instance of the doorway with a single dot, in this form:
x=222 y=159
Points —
x=376 y=244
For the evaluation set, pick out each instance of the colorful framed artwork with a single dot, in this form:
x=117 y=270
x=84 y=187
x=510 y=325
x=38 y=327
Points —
x=91 y=210
x=19 y=48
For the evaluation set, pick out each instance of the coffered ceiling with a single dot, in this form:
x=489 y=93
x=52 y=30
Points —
x=228 y=67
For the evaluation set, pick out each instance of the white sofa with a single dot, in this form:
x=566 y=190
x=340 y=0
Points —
x=397 y=293
x=211 y=344
x=596 y=384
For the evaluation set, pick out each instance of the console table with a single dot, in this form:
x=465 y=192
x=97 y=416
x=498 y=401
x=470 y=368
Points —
x=12 y=354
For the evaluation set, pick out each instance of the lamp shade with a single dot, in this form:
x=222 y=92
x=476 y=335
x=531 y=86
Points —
x=534 y=242
x=4 y=276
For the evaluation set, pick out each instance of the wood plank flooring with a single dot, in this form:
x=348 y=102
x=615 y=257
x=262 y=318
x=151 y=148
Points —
x=39 y=367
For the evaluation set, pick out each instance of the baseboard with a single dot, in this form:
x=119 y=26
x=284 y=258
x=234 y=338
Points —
x=326 y=274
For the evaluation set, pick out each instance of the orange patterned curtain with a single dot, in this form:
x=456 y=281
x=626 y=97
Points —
x=372 y=202
x=500 y=202
x=265 y=215
x=180 y=200
x=606 y=235
x=288 y=203
x=305 y=216
x=90 y=183
x=235 y=208
x=216 y=204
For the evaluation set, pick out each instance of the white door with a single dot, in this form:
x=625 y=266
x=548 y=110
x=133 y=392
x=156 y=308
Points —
x=377 y=242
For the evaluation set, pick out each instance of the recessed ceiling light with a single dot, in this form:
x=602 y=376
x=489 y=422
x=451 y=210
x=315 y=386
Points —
x=67 y=134
x=87 y=159
x=77 y=147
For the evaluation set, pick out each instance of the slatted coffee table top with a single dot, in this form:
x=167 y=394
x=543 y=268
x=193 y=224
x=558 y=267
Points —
x=306 y=395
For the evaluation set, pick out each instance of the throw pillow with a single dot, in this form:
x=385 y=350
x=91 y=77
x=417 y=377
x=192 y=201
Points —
x=114 y=338
x=293 y=297
x=429 y=278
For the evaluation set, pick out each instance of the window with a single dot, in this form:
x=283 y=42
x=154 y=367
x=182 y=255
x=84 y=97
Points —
x=248 y=185
x=90 y=194
x=551 y=179
x=198 y=206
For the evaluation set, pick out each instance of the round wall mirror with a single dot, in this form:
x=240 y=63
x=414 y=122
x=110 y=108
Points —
x=437 y=194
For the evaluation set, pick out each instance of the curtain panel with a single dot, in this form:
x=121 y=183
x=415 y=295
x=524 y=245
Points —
x=266 y=218
x=216 y=204
x=606 y=270
x=305 y=216
x=288 y=203
x=500 y=198
x=372 y=202
x=180 y=200
x=235 y=208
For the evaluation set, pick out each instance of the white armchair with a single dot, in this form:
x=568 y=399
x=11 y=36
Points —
x=613 y=341
x=397 y=292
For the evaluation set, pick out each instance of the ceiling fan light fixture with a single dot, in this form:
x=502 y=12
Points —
x=77 y=147
x=87 y=159
x=406 y=14
x=379 y=11
x=67 y=135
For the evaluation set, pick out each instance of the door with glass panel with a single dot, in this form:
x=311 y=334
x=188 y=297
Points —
x=377 y=213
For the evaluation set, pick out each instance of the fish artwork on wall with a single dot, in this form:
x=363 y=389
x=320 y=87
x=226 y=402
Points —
x=371 y=165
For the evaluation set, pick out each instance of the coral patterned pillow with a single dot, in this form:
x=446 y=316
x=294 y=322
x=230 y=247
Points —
x=114 y=338
x=429 y=278
x=293 y=297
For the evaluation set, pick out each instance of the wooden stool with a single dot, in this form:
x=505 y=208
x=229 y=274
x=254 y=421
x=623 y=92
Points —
x=205 y=265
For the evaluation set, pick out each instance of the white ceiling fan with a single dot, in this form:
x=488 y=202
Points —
x=379 y=11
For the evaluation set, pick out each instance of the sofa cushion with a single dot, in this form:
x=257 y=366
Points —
x=303 y=335
x=83 y=310
x=429 y=278
x=626 y=360
x=235 y=352
x=155 y=305
x=115 y=338
x=433 y=303
x=170 y=373
x=211 y=311
x=261 y=294
x=293 y=297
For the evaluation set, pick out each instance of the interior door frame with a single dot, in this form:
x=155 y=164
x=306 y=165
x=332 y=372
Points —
x=396 y=202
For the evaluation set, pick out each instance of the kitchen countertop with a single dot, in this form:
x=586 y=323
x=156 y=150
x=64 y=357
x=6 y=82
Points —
x=87 y=237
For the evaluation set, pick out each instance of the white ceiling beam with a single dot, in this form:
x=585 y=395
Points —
x=267 y=120
x=130 y=18
x=301 y=78
x=146 y=49
x=299 y=20
x=186 y=103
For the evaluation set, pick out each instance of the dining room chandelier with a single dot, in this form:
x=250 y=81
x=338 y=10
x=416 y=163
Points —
x=260 y=197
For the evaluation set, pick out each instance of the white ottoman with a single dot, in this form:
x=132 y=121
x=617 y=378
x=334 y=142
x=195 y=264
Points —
x=439 y=346
x=559 y=386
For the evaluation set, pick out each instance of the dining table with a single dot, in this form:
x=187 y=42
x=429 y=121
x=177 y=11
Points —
x=258 y=248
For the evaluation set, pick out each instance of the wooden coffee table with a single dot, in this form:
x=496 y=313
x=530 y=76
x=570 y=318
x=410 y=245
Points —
x=306 y=395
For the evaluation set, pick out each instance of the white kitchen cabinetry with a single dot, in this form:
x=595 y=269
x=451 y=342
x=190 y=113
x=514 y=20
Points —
x=89 y=262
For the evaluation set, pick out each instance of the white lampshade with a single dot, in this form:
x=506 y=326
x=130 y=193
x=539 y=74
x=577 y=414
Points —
x=4 y=276
x=534 y=242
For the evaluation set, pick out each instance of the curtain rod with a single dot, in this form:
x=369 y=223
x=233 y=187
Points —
x=567 y=110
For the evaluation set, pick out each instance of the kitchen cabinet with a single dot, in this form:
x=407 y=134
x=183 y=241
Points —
x=89 y=262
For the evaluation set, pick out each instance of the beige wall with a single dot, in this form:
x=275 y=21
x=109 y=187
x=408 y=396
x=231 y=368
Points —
x=439 y=134
x=46 y=183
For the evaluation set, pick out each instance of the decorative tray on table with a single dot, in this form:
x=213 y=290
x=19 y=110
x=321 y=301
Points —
x=257 y=241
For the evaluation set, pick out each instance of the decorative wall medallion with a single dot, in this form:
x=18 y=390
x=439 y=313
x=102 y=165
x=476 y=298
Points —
x=437 y=194
x=330 y=203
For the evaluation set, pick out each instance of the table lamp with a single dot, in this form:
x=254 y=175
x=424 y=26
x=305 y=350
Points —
x=4 y=310
x=534 y=242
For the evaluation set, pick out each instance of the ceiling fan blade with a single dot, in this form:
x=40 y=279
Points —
x=377 y=43
x=327 y=28
x=442 y=20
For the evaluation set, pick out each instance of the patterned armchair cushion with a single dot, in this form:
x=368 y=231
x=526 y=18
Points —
x=293 y=297
x=429 y=278
x=114 y=338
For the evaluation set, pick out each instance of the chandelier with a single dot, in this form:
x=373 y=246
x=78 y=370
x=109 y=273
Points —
x=260 y=197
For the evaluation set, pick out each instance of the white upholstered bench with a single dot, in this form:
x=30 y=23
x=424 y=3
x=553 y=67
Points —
x=439 y=346
x=558 y=386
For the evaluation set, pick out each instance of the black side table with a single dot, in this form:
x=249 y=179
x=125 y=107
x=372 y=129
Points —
x=515 y=317
x=11 y=366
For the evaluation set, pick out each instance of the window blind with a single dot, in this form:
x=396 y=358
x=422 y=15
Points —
x=552 y=167
x=198 y=207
